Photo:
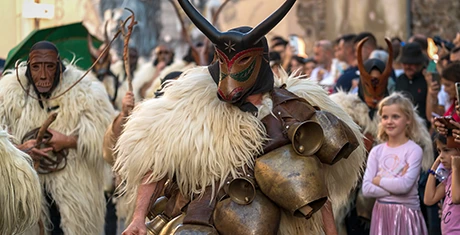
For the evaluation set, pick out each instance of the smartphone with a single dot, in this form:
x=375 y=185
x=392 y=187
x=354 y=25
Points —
x=294 y=43
x=446 y=121
x=435 y=77
x=457 y=86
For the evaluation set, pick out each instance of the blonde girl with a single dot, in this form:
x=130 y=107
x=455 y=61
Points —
x=393 y=170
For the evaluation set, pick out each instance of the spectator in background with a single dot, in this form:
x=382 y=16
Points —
x=280 y=45
x=455 y=54
x=297 y=65
x=346 y=53
x=275 y=62
x=369 y=46
x=324 y=73
x=393 y=168
x=422 y=41
x=412 y=82
x=310 y=64
x=447 y=189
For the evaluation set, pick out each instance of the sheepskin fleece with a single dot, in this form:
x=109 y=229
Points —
x=84 y=111
x=143 y=76
x=20 y=190
x=358 y=110
x=192 y=135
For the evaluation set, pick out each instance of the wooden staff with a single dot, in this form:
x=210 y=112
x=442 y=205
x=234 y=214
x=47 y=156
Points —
x=127 y=36
x=40 y=134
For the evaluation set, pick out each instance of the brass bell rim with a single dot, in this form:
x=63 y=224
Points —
x=299 y=148
x=236 y=198
x=315 y=206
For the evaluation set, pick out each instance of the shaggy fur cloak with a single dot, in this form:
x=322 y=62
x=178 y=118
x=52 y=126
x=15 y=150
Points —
x=192 y=135
x=143 y=76
x=20 y=190
x=85 y=112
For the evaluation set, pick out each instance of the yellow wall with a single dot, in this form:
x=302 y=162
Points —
x=15 y=28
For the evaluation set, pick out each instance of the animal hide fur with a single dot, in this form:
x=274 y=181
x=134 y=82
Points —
x=143 y=76
x=192 y=135
x=85 y=112
x=20 y=190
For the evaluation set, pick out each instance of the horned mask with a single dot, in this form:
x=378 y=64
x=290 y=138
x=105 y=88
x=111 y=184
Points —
x=242 y=67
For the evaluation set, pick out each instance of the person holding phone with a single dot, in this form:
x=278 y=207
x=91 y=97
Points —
x=450 y=76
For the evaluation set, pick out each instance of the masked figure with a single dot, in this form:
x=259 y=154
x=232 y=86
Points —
x=70 y=164
x=241 y=155
x=372 y=88
x=149 y=72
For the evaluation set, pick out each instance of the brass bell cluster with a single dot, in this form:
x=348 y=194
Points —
x=294 y=182
x=324 y=136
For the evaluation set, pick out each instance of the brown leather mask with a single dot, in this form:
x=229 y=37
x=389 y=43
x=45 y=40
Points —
x=374 y=89
x=239 y=73
x=43 y=66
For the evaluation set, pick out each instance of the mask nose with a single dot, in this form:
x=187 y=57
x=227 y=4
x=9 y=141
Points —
x=237 y=96
x=232 y=98
x=42 y=74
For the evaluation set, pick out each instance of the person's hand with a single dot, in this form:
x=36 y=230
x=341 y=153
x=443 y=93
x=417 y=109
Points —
x=35 y=153
x=455 y=162
x=321 y=75
x=161 y=65
x=60 y=141
x=127 y=104
x=456 y=131
x=433 y=89
x=376 y=180
x=136 y=227
x=440 y=127
x=436 y=163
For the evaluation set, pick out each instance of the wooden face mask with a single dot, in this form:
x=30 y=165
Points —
x=238 y=74
x=43 y=66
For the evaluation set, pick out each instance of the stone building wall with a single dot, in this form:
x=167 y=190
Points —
x=436 y=17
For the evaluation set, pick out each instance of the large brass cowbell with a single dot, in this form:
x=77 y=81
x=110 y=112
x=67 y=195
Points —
x=306 y=137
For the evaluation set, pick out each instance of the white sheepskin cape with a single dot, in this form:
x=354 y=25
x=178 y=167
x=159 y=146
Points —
x=20 y=190
x=85 y=112
x=192 y=135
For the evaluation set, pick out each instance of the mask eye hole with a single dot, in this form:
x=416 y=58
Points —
x=244 y=60
x=51 y=66
x=221 y=61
